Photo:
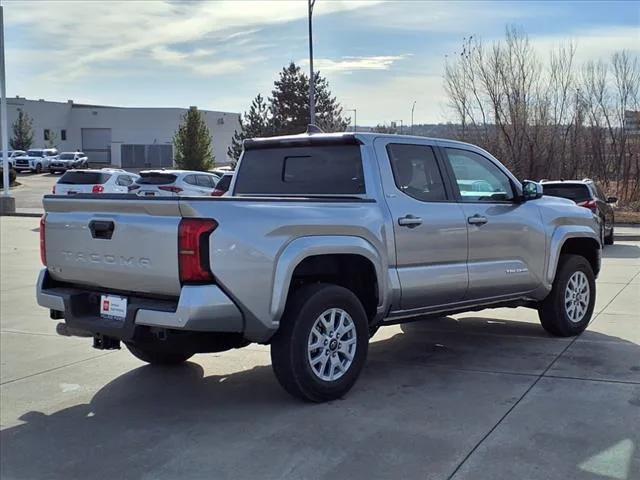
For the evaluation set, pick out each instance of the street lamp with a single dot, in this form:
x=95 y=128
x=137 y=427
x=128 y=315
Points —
x=312 y=100
x=7 y=203
x=355 y=118
x=412 y=108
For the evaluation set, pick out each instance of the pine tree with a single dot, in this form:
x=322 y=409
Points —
x=289 y=102
x=192 y=143
x=22 y=132
x=328 y=111
x=253 y=124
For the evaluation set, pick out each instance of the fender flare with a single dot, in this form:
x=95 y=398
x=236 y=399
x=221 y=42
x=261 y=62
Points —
x=558 y=239
x=301 y=248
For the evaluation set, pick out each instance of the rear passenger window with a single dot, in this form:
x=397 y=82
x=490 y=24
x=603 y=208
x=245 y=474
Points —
x=124 y=180
x=205 y=181
x=416 y=172
x=190 y=179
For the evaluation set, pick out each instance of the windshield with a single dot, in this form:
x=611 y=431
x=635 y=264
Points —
x=66 y=156
x=35 y=153
x=84 y=178
x=576 y=192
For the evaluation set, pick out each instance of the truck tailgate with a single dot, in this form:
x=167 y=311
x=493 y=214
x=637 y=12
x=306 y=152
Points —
x=114 y=244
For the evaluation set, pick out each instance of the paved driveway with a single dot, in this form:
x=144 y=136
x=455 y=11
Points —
x=486 y=395
x=32 y=187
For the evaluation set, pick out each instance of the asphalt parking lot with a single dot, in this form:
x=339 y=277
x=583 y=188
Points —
x=486 y=395
x=32 y=187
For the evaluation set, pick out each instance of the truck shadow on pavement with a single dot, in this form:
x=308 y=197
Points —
x=410 y=410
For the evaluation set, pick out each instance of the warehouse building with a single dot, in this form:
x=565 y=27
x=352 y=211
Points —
x=127 y=137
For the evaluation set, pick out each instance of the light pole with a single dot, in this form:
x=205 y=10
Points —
x=7 y=203
x=312 y=100
x=355 y=118
x=412 y=108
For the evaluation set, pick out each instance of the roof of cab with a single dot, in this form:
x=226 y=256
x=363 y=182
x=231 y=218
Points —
x=339 y=138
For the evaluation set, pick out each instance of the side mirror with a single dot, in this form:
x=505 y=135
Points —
x=531 y=190
x=612 y=199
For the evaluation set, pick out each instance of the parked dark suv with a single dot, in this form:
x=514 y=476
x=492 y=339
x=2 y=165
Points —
x=589 y=195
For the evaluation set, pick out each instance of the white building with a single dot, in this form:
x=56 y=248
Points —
x=127 y=137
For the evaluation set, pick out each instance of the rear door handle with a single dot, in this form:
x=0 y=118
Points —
x=409 y=221
x=477 y=220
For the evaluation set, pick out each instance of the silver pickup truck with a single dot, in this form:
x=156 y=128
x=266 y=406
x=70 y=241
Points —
x=325 y=238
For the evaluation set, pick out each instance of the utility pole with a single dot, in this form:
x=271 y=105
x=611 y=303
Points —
x=7 y=203
x=355 y=118
x=312 y=100
x=412 y=108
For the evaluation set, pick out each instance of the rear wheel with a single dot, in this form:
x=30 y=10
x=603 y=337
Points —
x=157 y=356
x=321 y=346
x=608 y=240
x=568 y=308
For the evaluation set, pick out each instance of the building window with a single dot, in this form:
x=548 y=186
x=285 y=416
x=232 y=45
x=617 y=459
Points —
x=221 y=121
x=63 y=135
x=47 y=134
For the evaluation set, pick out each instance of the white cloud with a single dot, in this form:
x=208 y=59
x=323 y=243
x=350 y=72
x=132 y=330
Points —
x=92 y=33
x=591 y=44
x=351 y=64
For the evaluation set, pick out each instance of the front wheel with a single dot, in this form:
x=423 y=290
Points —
x=321 y=345
x=39 y=168
x=568 y=308
x=157 y=356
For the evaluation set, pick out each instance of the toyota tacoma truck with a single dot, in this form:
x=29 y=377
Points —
x=323 y=239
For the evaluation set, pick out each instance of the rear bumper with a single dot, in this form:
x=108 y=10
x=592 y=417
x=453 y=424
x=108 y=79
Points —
x=200 y=308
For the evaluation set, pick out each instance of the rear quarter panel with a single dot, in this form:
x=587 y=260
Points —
x=249 y=245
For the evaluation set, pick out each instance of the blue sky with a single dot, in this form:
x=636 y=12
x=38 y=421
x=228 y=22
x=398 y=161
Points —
x=378 y=56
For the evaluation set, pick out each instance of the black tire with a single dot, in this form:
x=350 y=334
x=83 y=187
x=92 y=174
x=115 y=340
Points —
x=553 y=310
x=156 y=356
x=289 y=347
x=39 y=168
x=609 y=239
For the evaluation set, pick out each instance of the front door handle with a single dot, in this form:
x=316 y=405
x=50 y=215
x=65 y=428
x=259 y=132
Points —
x=409 y=221
x=477 y=220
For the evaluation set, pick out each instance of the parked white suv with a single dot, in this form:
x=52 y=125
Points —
x=68 y=160
x=163 y=183
x=105 y=180
x=36 y=159
x=12 y=156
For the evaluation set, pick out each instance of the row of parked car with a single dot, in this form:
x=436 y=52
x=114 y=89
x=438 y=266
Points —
x=46 y=159
x=148 y=183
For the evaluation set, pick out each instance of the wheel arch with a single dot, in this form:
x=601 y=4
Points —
x=336 y=259
x=581 y=241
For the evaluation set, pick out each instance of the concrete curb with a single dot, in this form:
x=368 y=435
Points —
x=24 y=214
x=626 y=238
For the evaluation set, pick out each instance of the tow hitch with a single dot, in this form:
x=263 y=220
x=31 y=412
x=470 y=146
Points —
x=102 y=342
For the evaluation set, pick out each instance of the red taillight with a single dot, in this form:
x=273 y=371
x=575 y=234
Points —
x=217 y=193
x=43 y=246
x=97 y=189
x=170 y=189
x=590 y=204
x=193 y=250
